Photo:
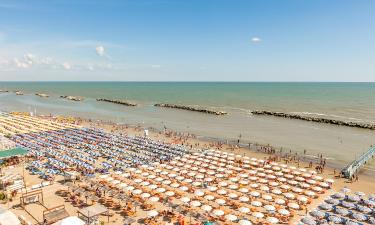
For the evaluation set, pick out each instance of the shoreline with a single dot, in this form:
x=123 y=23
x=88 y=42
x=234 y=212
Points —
x=262 y=152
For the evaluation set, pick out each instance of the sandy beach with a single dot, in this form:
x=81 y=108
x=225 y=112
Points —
x=51 y=199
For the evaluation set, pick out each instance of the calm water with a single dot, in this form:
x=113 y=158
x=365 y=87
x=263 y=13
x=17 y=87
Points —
x=344 y=101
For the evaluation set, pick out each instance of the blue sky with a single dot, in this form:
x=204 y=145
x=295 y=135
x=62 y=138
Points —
x=191 y=40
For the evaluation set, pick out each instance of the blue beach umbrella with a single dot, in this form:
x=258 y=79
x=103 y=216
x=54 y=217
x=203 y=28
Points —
x=309 y=220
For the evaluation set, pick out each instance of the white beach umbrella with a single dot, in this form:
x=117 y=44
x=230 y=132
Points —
x=293 y=205
x=220 y=201
x=169 y=193
x=284 y=212
x=256 y=203
x=153 y=186
x=167 y=182
x=199 y=193
x=222 y=192
x=244 y=199
x=258 y=215
x=243 y=190
x=195 y=203
x=160 y=190
x=272 y=220
x=137 y=192
x=233 y=186
x=212 y=188
x=255 y=194
x=206 y=208
x=280 y=201
x=232 y=195
x=184 y=188
x=244 y=222
x=218 y=212
x=185 y=199
x=244 y=210
x=209 y=197
x=175 y=185
x=230 y=217
x=145 y=195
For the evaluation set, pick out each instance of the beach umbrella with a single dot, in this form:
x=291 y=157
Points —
x=184 y=188
x=243 y=190
x=359 y=216
x=129 y=188
x=208 y=179
x=342 y=211
x=310 y=193
x=272 y=220
x=280 y=201
x=255 y=194
x=335 y=219
x=267 y=197
x=354 y=198
x=302 y=199
x=317 y=213
x=185 y=199
x=317 y=189
x=363 y=209
x=309 y=220
x=256 y=203
x=195 y=203
x=145 y=195
x=223 y=184
x=160 y=190
x=179 y=178
x=233 y=186
x=244 y=199
x=230 y=217
x=169 y=193
x=221 y=192
x=175 y=185
x=212 y=188
x=276 y=191
x=137 y=191
x=270 y=207
x=152 y=213
x=234 y=179
x=284 y=212
x=218 y=212
x=326 y=206
x=232 y=195
x=220 y=201
x=258 y=215
x=153 y=186
x=206 y=208
x=293 y=205
x=244 y=222
x=333 y=201
x=289 y=195
x=264 y=188
x=199 y=193
x=244 y=210
x=253 y=185
x=209 y=197
x=197 y=183
x=348 y=205
x=145 y=183
x=345 y=190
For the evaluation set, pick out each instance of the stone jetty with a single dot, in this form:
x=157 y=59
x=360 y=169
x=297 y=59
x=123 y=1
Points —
x=3 y=91
x=120 y=102
x=191 y=108
x=42 y=95
x=314 y=119
x=73 y=98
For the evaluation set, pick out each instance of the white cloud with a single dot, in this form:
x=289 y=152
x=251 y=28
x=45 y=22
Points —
x=155 y=66
x=256 y=39
x=100 y=50
x=66 y=65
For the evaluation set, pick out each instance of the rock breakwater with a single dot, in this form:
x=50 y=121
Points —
x=191 y=108
x=120 y=102
x=315 y=119
x=73 y=98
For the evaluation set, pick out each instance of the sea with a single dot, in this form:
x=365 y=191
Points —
x=342 y=101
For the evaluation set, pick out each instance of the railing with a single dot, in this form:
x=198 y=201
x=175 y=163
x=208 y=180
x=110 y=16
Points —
x=356 y=165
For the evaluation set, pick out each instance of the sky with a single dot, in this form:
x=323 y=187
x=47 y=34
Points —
x=190 y=40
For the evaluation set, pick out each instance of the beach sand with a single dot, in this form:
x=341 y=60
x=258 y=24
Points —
x=365 y=184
